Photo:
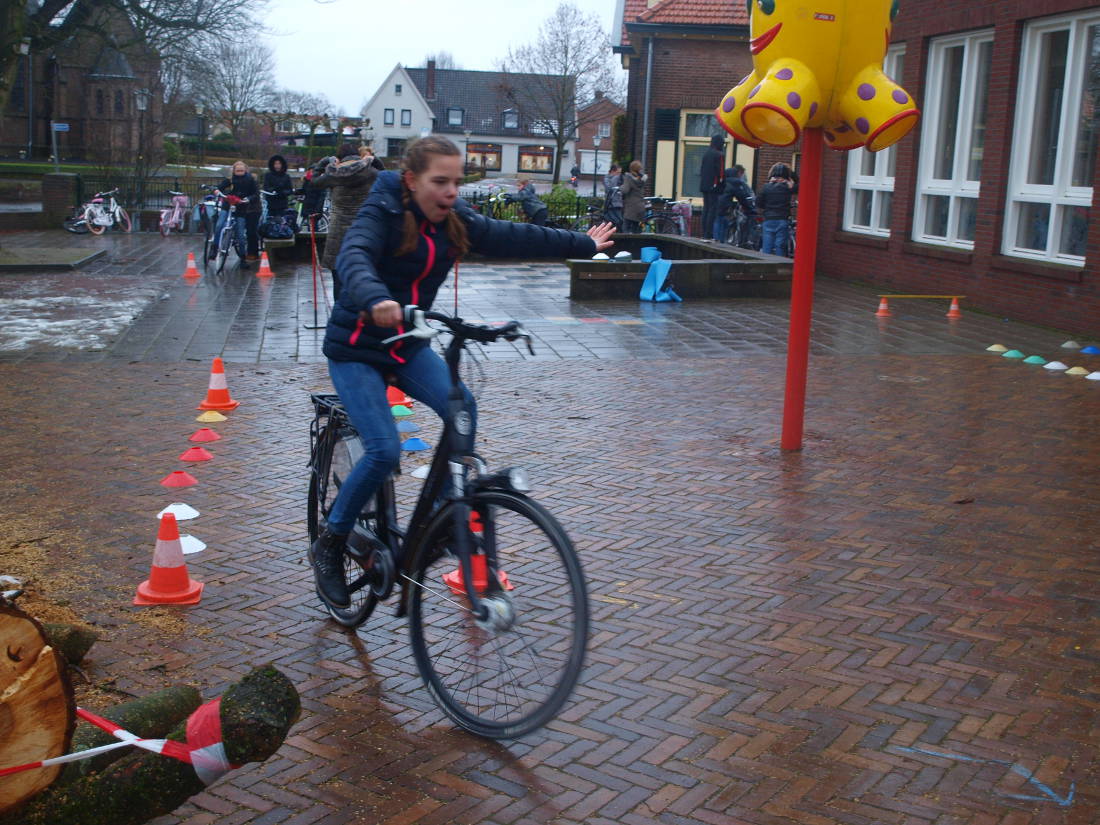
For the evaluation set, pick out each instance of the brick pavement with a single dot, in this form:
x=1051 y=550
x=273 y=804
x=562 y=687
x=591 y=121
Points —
x=776 y=638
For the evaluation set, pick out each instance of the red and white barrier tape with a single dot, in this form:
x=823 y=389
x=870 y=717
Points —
x=203 y=750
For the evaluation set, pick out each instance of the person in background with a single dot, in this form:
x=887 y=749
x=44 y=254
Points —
x=613 y=195
x=710 y=181
x=735 y=192
x=775 y=204
x=633 y=191
x=240 y=186
x=575 y=175
x=313 y=197
x=534 y=207
x=402 y=245
x=278 y=181
x=350 y=178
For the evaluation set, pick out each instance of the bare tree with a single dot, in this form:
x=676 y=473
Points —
x=568 y=63
x=165 y=26
x=235 y=84
x=443 y=60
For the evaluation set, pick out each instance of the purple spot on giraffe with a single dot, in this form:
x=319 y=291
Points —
x=863 y=126
x=843 y=127
x=794 y=100
x=813 y=108
x=829 y=136
x=745 y=78
x=755 y=89
x=784 y=74
x=865 y=91
x=900 y=96
x=729 y=103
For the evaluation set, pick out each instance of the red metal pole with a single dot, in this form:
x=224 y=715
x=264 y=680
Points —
x=802 y=288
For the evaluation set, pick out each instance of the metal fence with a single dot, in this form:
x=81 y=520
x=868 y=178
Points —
x=137 y=193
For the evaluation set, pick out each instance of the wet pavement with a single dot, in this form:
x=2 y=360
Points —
x=896 y=625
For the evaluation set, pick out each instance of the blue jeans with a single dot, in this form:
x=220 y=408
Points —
x=721 y=228
x=238 y=231
x=362 y=391
x=776 y=235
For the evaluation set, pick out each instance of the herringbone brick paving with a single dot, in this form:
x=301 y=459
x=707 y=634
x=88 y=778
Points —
x=776 y=638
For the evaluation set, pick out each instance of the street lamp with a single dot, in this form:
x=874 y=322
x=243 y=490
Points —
x=596 y=141
x=141 y=97
x=199 y=109
x=466 y=152
x=334 y=124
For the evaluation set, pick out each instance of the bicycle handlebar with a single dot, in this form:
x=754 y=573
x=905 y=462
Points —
x=418 y=318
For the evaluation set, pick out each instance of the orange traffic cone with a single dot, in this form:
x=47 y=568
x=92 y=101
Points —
x=168 y=581
x=265 y=267
x=191 y=271
x=395 y=396
x=954 y=312
x=478 y=566
x=883 y=309
x=217 y=395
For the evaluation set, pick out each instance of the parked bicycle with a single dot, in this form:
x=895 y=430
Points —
x=95 y=216
x=662 y=217
x=491 y=585
x=746 y=231
x=173 y=217
x=207 y=210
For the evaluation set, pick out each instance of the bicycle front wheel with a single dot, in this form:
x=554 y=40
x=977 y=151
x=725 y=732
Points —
x=508 y=676
x=93 y=227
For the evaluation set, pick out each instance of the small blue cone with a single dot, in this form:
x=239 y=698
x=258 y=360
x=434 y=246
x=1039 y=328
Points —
x=1091 y=350
x=407 y=427
x=414 y=445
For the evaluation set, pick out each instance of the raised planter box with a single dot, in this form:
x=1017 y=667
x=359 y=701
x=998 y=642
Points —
x=700 y=269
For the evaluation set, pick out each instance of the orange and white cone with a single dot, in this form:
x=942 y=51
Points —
x=265 y=267
x=883 y=309
x=954 y=312
x=217 y=395
x=191 y=270
x=168 y=581
x=478 y=566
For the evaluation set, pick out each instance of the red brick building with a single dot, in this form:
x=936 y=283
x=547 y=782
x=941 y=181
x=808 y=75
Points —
x=595 y=121
x=990 y=196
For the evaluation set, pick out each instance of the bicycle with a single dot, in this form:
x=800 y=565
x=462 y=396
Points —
x=661 y=218
x=173 y=217
x=227 y=237
x=97 y=214
x=500 y=640
x=746 y=230
x=208 y=220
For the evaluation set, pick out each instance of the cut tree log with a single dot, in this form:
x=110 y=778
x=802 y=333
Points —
x=70 y=640
x=256 y=714
x=37 y=709
x=150 y=717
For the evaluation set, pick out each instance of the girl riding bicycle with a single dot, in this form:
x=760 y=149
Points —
x=241 y=186
x=407 y=236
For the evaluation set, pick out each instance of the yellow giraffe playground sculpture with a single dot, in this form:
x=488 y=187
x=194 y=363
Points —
x=818 y=64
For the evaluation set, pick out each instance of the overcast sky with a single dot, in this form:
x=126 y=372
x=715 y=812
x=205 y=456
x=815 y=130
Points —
x=346 y=48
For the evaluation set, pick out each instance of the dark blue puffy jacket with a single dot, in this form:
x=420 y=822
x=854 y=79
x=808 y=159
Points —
x=367 y=272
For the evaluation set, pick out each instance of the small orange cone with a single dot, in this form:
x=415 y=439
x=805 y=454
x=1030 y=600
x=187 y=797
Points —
x=265 y=267
x=196 y=454
x=480 y=568
x=168 y=581
x=204 y=434
x=395 y=396
x=217 y=396
x=179 y=478
x=191 y=271
x=883 y=309
x=954 y=312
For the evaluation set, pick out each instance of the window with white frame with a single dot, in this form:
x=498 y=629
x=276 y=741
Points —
x=870 y=193
x=511 y=119
x=953 y=139
x=1055 y=140
x=454 y=117
x=397 y=88
x=603 y=129
x=406 y=117
x=387 y=117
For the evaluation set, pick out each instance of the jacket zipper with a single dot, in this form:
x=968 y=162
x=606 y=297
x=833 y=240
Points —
x=415 y=295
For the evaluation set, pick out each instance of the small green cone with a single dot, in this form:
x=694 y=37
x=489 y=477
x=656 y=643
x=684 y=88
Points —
x=1012 y=353
x=400 y=411
x=997 y=348
x=1035 y=359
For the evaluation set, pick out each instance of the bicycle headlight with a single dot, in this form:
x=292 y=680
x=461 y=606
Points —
x=518 y=480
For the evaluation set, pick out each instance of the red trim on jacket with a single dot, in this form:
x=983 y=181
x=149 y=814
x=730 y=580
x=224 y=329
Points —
x=414 y=297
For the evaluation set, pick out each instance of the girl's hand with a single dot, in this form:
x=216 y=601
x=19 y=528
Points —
x=385 y=314
x=601 y=234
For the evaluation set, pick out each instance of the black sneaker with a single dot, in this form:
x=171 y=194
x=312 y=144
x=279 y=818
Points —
x=327 y=557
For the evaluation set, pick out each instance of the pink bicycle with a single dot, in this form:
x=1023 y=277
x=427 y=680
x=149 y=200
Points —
x=173 y=217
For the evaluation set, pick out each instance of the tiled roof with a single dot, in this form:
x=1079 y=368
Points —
x=684 y=13
x=481 y=95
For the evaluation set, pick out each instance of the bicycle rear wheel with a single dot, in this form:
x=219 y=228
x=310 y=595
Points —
x=123 y=220
x=76 y=224
x=332 y=465
x=501 y=679
x=666 y=225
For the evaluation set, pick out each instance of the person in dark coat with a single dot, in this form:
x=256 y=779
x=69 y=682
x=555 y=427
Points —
x=775 y=204
x=313 y=197
x=711 y=176
x=735 y=192
x=534 y=207
x=278 y=181
x=633 y=190
x=406 y=238
x=240 y=186
x=613 y=195
x=351 y=178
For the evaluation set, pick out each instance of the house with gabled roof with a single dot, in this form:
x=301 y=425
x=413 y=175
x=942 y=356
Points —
x=473 y=108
